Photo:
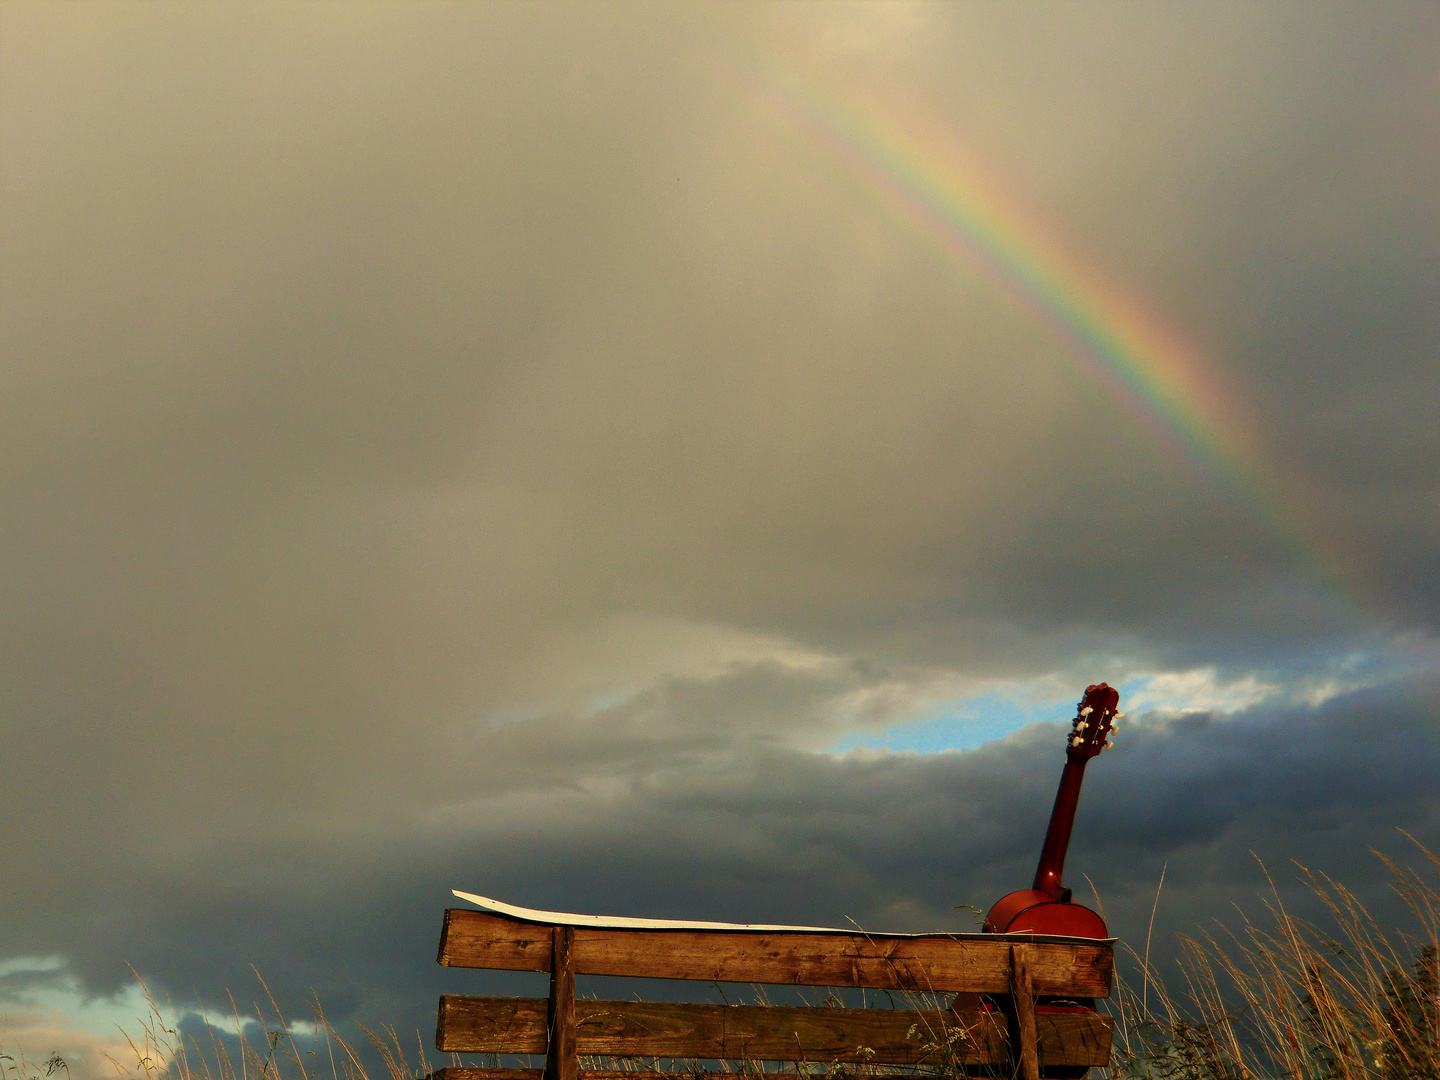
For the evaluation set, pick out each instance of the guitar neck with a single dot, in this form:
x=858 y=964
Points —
x=1057 y=836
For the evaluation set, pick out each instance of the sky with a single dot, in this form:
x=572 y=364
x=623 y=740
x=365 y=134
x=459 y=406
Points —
x=687 y=461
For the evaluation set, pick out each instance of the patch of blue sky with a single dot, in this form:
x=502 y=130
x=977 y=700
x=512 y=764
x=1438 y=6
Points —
x=959 y=725
x=968 y=723
x=59 y=993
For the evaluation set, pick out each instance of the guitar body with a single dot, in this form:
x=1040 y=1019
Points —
x=1030 y=911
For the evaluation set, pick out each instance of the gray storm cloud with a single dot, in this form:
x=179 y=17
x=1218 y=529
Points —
x=427 y=429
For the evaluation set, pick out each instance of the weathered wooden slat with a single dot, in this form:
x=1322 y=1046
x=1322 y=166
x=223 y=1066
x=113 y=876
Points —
x=460 y=1072
x=560 y=1061
x=664 y=1029
x=491 y=1025
x=934 y=962
x=781 y=1033
x=1022 y=1000
x=480 y=940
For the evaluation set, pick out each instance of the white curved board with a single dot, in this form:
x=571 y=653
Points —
x=615 y=922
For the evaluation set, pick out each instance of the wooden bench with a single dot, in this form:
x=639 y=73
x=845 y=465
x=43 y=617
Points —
x=925 y=970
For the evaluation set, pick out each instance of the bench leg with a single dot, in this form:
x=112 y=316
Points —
x=561 y=1060
x=1023 y=1036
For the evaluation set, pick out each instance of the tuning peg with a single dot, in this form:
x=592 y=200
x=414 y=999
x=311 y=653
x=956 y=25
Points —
x=1081 y=725
x=1086 y=711
x=1109 y=744
x=1114 y=727
x=1076 y=741
x=1119 y=716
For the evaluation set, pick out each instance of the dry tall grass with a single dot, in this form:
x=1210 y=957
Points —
x=267 y=1048
x=18 y=1066
x=1293 y=1000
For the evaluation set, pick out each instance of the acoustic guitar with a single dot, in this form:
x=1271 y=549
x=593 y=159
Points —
x=1046 y=907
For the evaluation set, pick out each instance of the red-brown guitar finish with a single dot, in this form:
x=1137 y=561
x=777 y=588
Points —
x=1045 y=907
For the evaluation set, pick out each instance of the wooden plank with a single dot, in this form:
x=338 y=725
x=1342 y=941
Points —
x=1022 y=999
x=491 y=1025
x=780 y=1033
x=888 y=962
x=1064 y=1039
x=561 y=1062
x=480 y=940
x=662 y=1029
x=460 y=1072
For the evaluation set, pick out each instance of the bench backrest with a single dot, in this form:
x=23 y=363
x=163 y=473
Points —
x=1014 y=967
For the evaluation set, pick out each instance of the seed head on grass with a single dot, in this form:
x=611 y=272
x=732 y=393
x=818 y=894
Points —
x=1293 y=1000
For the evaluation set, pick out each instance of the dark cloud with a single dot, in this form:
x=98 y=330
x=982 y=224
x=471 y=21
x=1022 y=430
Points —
x=481 y=444
x=892 y=841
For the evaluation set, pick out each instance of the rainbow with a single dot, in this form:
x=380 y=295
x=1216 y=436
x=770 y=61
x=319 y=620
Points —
x=918 y=171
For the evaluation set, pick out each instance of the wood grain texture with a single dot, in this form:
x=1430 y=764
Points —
x=1022 y=999
x=491 y=1025
x=460 y=1072
x=561 y=1062
x=934 y=962
x=480 y=940
x=780 y=1033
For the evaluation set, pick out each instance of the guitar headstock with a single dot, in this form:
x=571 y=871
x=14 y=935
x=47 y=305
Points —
x=1094 y=722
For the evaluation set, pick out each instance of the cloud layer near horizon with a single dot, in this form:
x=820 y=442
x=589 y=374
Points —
x=427 y=429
